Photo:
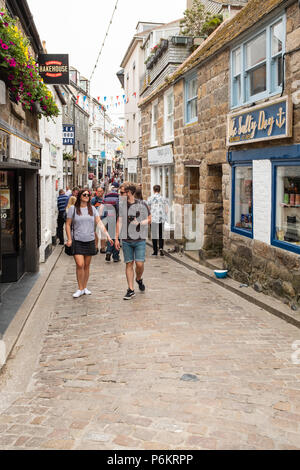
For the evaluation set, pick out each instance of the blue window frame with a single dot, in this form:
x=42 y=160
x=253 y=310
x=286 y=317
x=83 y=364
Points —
x=257 y=65
x=242 y=199
x=286 y=205
x=191 y=96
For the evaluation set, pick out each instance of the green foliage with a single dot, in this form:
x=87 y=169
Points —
x=68 y=156
x=197 y=22
x=21 y=70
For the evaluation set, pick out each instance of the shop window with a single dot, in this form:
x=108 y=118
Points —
x=257 y=65
x=286 y=223
x=242 y=200
x=9 y=228
x=191 y=92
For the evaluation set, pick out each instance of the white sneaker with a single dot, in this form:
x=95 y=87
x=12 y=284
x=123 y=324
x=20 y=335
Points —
x=78 y=293
x=87 y=292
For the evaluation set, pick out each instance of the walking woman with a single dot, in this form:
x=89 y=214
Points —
x=83 y=216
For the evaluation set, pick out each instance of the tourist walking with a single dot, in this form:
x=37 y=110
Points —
x=72 y=202
x=159 y=211
x=97 y=202
x=132 y=229
x=83 y=217
x=62 y=202
x=111 y=208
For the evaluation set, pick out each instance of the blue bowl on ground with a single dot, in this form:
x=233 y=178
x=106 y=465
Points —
x=221 y=274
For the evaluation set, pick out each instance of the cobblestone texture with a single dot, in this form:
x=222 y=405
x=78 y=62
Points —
x=109 y=371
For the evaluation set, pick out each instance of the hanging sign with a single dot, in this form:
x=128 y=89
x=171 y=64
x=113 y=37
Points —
x=161 y=155
x=132 y=166
x=54 y=68
x=68 y=134
x=272 y=120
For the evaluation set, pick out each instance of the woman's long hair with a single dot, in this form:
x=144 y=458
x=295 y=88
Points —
x=72 y=202
x=78 y=202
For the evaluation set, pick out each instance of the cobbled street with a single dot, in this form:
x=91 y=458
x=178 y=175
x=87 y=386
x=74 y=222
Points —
x=109 y=373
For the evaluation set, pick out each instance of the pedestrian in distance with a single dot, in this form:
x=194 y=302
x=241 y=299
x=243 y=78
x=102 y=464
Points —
x=111 y=208
x=62 y=202
x=75 y=192
x=139 y=194
x=97 y=202
x=83 y=217
x=132 y=228
x=72 y=202
x=159 y=211
x=68 y=191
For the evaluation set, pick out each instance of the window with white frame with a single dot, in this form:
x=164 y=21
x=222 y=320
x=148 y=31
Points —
x=257 y=65
x=154 y=123
x=169 y=116
x=191 y=92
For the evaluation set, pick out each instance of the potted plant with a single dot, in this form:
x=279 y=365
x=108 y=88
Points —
x=164 y=44
x=20 y=70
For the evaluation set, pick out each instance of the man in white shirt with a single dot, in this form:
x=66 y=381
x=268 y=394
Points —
x=159 y=210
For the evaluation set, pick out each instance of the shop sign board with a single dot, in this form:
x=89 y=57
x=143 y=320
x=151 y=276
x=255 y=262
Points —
x=132 y=166
x=268 y=121
x=54 y=69
x=68 y=134
x=103 y=155
x=161 y=155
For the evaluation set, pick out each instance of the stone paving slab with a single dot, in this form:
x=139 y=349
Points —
x=109 y=371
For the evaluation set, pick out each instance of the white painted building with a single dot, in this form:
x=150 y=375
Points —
x=133 y=68
x=51 y=174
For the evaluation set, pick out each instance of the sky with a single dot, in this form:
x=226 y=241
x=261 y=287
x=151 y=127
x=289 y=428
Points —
x=78 y=28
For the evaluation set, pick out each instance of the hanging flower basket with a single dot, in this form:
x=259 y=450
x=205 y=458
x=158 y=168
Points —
x=20 y=71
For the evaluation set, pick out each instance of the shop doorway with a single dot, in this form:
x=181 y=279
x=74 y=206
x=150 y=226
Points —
x=214 y=220
x=12 y=215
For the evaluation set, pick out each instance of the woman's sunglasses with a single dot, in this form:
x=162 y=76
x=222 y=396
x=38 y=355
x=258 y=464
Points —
x=86 y=194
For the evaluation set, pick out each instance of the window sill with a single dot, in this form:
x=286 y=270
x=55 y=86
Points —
x=286 y=246
x=189 y=124
x=257 y=100
x=243 y=232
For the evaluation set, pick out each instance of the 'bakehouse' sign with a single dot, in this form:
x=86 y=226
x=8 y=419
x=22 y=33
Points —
x=259 y=123
x=54 y=68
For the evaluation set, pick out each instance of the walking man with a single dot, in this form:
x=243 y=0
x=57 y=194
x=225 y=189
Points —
x=159 y=210
x=62 y=202
x=97 y=202
x=111 y=208
x=132 y=228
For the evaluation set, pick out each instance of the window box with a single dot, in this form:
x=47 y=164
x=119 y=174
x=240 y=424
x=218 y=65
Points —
x=286 y=206
x=182 y=41
x=164 y=44
x=242 y=200
x=257 y=65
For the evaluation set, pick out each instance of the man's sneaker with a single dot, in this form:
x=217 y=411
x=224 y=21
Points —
x=142 y=286
x=154 y=254
x=117 y=260
x=129 y=295
x=162 y=253
x=107 y=257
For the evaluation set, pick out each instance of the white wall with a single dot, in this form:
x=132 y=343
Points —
x=51 y=170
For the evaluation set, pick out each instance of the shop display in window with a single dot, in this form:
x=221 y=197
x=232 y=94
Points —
x=243 y=198
x=288 y=204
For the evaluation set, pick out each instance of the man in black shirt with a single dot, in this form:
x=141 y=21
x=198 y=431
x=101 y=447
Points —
x=132 y=228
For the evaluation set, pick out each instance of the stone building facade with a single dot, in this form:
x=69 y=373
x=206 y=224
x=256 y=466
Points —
x=236 y=187
x=20 y=161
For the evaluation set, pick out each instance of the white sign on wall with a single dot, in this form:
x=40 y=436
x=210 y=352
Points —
x=161 y=155
x=132 y=166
